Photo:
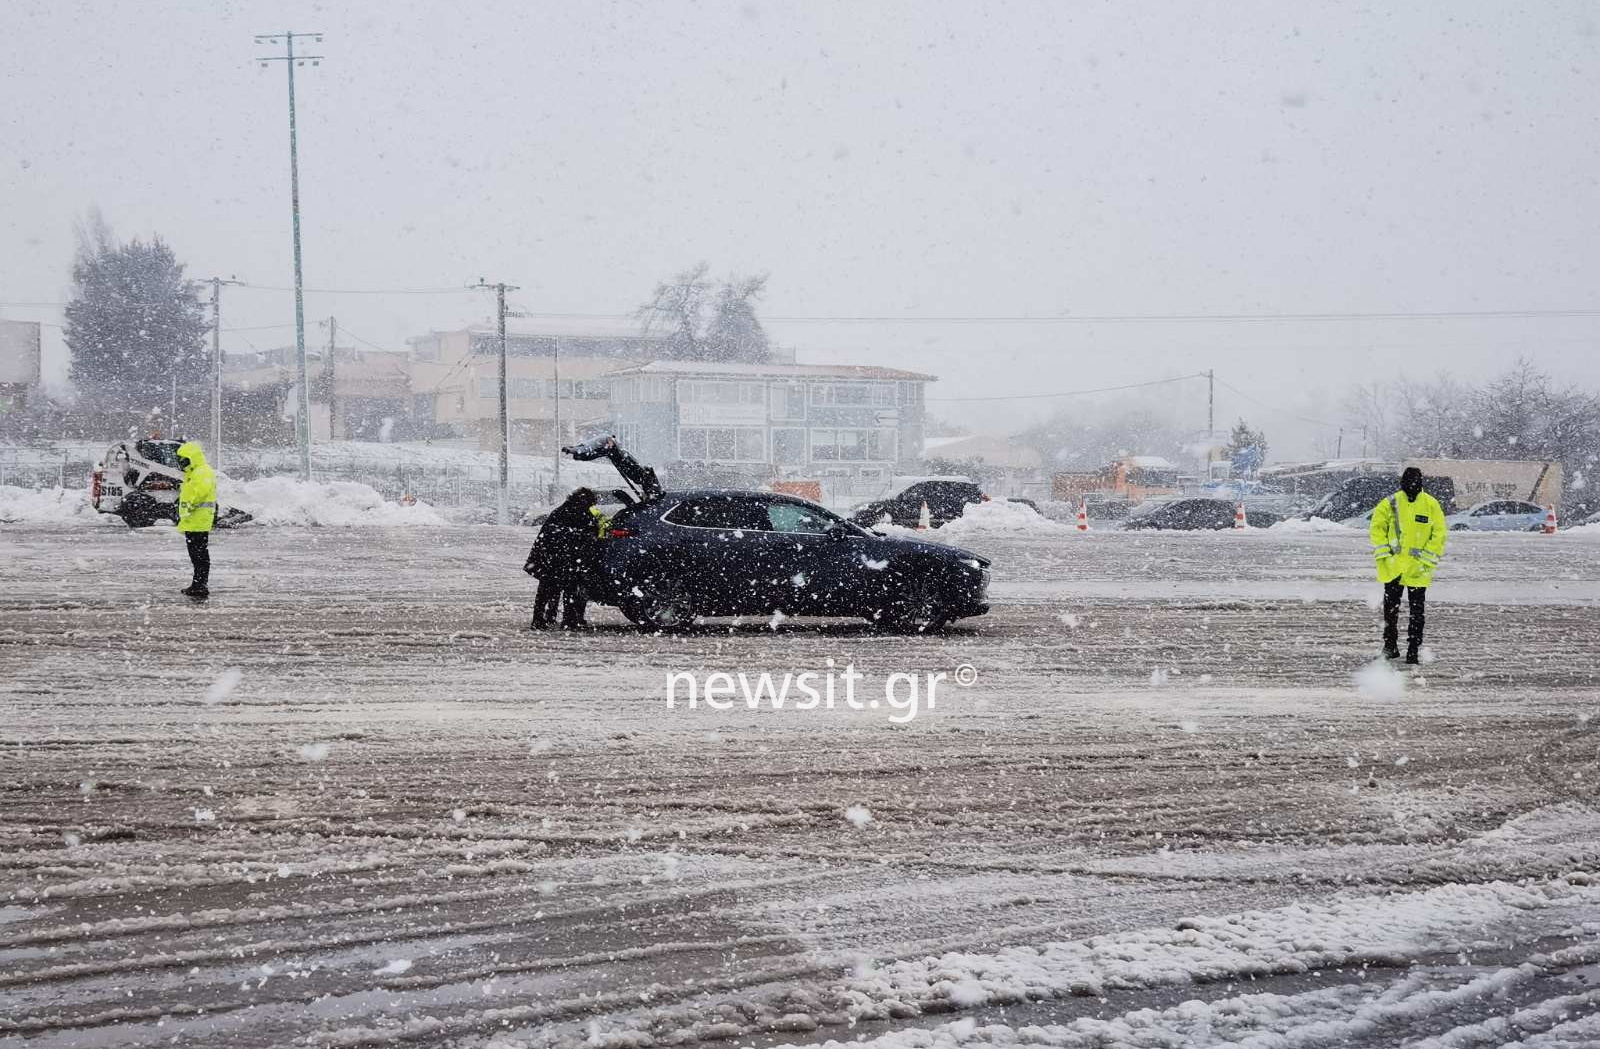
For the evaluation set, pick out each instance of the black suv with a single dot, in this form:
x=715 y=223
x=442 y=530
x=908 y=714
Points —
x=671 y=557
x=947 y=500
x=708 y=552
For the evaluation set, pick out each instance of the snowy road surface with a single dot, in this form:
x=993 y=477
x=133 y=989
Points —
x=352 y=801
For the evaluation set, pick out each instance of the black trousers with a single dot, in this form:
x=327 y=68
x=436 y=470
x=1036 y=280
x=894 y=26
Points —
x=199 y=544
x=559 y=593
x=1416 y=615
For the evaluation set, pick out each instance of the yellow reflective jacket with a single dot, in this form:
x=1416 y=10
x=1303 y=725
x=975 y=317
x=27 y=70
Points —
x=197 y=496
x=1408 y=538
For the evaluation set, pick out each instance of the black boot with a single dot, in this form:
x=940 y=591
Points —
x=1391 y=652
x=1413 y=657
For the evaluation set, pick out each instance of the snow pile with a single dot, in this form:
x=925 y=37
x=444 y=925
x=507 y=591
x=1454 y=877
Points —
x=46 y=506
x=286 y=501
x=1378 y=680
x=1589 y=532
x=1291 y=939
x=1001 y=517
x=1315 y=526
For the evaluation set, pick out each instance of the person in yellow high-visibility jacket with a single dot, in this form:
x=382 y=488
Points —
x=1408 y=535
x=197 y=513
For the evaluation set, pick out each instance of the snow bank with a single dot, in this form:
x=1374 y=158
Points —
x=1317 y=525
x=1001 y=517
x=1588 y=532
x=47 y=506
x=338 y=504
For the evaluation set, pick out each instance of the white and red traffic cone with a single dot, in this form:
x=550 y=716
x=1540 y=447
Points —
x=1549 y=520
x=1083 y=515
x=1239 y=523
x=924 y=518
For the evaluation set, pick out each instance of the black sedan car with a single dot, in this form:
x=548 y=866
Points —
x=1198 y=515
x=946 y=501
x=677 y=556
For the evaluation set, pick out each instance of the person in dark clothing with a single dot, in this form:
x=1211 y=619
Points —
x=567 y=547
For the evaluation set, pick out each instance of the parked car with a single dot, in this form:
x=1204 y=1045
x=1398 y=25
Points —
x=713 y=552
x=1499 y=515
x=671 y=557
x=138 y=481
x=1353 y=500
x=947 y=500
x=1196 y=515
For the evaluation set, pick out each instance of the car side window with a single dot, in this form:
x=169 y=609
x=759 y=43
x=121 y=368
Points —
x=795 y=518
x=717 y=512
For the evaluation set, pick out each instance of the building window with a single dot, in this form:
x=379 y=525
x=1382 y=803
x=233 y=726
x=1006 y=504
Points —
x=726 y=444
x=853 y=445
x=789 y=402
x=710 y=392
x=788 y=446
x=854 y=394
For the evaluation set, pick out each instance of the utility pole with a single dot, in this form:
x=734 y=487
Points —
x=505 y=415
x=1338 y=449
x=290 y=60
x=1211 y=404
x=333 y=352
x=556 y=452
x=216 y=367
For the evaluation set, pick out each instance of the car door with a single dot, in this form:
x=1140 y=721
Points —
x=714 y=538
x=808 y=558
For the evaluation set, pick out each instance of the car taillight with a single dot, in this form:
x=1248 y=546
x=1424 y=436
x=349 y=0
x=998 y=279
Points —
x=94 y=488
x=982 y=498
x=619 y=533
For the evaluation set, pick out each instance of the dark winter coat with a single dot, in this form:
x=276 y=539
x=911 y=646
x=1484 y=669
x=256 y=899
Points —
x=568 y=545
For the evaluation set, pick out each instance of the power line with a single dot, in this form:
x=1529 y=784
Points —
x=1073 y=393
x=1130 y=318
x=364 y=291
x=1274 y=408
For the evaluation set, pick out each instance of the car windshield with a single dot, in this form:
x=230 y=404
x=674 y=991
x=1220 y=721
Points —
x=163 y=452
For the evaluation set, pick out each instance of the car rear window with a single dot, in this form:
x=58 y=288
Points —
x=718 y=512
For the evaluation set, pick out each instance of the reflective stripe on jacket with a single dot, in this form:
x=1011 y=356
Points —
x=197 y=496
x=1408 y=537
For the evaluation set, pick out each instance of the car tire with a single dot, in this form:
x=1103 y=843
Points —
x=660 y=605
x=919 y=607
x=1458 y=528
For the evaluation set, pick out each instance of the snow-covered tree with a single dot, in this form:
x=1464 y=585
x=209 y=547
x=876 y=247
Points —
x=1243 y=438
x=702 y=327
x=135 y=327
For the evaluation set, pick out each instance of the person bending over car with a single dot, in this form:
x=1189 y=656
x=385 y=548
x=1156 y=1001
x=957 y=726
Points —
x=567 y=547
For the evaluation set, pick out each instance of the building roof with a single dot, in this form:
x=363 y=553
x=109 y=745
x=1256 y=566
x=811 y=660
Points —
x=1000 y=451
x=570 y=328
x=775 y=371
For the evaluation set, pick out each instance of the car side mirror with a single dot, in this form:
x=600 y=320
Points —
x=837 y=532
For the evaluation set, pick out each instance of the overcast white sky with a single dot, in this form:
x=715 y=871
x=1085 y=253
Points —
x=907 y=160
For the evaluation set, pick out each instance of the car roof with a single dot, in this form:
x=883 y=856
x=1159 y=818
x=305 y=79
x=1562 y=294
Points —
x=726 y=493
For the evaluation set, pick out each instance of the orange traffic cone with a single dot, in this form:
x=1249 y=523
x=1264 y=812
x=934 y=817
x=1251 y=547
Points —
x=924 y=518
x=1550 y=520
x=1083 y=516
x=1239 y=523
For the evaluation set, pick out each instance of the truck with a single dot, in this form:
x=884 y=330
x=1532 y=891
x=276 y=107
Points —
x=138 y=481
x=1481 y=480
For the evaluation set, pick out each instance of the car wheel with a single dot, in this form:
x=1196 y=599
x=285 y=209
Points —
x=661 y=604
x=1458 y=528
x=919 y=607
